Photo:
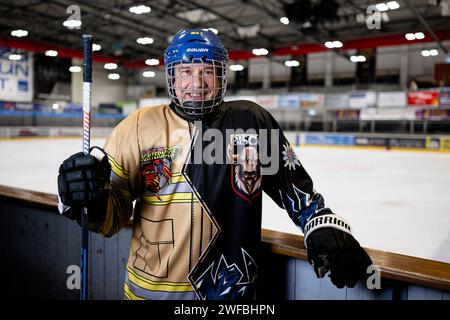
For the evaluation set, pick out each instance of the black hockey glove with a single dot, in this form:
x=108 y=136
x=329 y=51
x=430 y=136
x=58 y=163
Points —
x=83 y=182
x=337 y=251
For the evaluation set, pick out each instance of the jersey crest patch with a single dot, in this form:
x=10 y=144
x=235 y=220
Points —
x=156 y=166
x=246 y=175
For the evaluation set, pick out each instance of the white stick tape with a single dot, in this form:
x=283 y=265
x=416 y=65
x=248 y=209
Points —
x=86 y=96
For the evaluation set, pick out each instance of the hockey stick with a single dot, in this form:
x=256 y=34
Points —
x=88 y=40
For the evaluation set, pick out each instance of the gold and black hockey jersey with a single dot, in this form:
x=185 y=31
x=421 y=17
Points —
x=194 y=191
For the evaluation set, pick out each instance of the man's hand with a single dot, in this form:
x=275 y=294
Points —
x=333 y=250
x=83 y=182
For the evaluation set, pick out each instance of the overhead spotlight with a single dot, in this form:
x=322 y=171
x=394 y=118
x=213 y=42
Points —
x=72 y=24
x=392 y=5
x=382 y=7
x=152 y=62
x=96 y=47
x=19 y=33
x=292 y=63
x=55 y=106
x=75 y=69
x=140 y=9
x=419 y=35
x=410 y=36
x=284 y=20
x=359 y=58
x=113 y=76
x=148 y=74
x=434 y=52
x=329 y=44
x=236 y=67
x=415 y=36
x=260 y=52
x=428 y=53
x=51 y=53
x=263 y=51
x=14 y=57
x=145 y=40
x=110 y=66
x=333 y=44
x=337 y=44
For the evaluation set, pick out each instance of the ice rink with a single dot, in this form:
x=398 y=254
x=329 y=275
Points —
x=396 y=201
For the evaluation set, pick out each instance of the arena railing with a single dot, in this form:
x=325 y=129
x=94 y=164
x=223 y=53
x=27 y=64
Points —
x=396 y=267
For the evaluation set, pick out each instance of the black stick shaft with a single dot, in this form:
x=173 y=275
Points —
x=88 y=40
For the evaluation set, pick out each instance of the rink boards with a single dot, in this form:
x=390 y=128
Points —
x=396 y=201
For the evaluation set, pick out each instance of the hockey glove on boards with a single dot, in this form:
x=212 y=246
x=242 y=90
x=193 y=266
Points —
x=83 y=181
x=333 y=248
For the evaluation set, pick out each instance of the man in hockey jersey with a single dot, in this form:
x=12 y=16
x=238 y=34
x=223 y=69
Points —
x=197 y=216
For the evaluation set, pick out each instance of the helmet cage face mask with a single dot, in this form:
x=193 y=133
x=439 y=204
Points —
x=196 y=87
x=200 y=87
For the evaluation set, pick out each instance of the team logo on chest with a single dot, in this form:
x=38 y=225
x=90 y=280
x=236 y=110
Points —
x=156 y=166
x=246 y=173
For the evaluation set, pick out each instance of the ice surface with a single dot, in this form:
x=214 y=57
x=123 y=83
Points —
x=396 y=201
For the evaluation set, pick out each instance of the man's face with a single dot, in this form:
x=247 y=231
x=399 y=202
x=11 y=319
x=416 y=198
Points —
x=196 y=82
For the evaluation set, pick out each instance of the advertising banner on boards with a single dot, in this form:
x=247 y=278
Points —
x=391 y=99
x=423 y=98
x=360 y=100
x=16 y=76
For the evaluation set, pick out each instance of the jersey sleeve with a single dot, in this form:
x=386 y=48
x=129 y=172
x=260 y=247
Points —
x=290 y=186
x=122 y=147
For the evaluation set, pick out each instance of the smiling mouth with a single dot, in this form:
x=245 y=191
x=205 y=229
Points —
x=195 y=96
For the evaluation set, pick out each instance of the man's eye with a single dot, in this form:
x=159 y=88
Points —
x=185 y=72
x=209 y=72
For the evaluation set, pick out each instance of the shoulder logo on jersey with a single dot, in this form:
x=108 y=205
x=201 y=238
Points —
x=246 y=170
x=289 y=157
x=156 y=166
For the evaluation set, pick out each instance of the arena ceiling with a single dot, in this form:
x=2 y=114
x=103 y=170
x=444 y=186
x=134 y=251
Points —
x=242 y=24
